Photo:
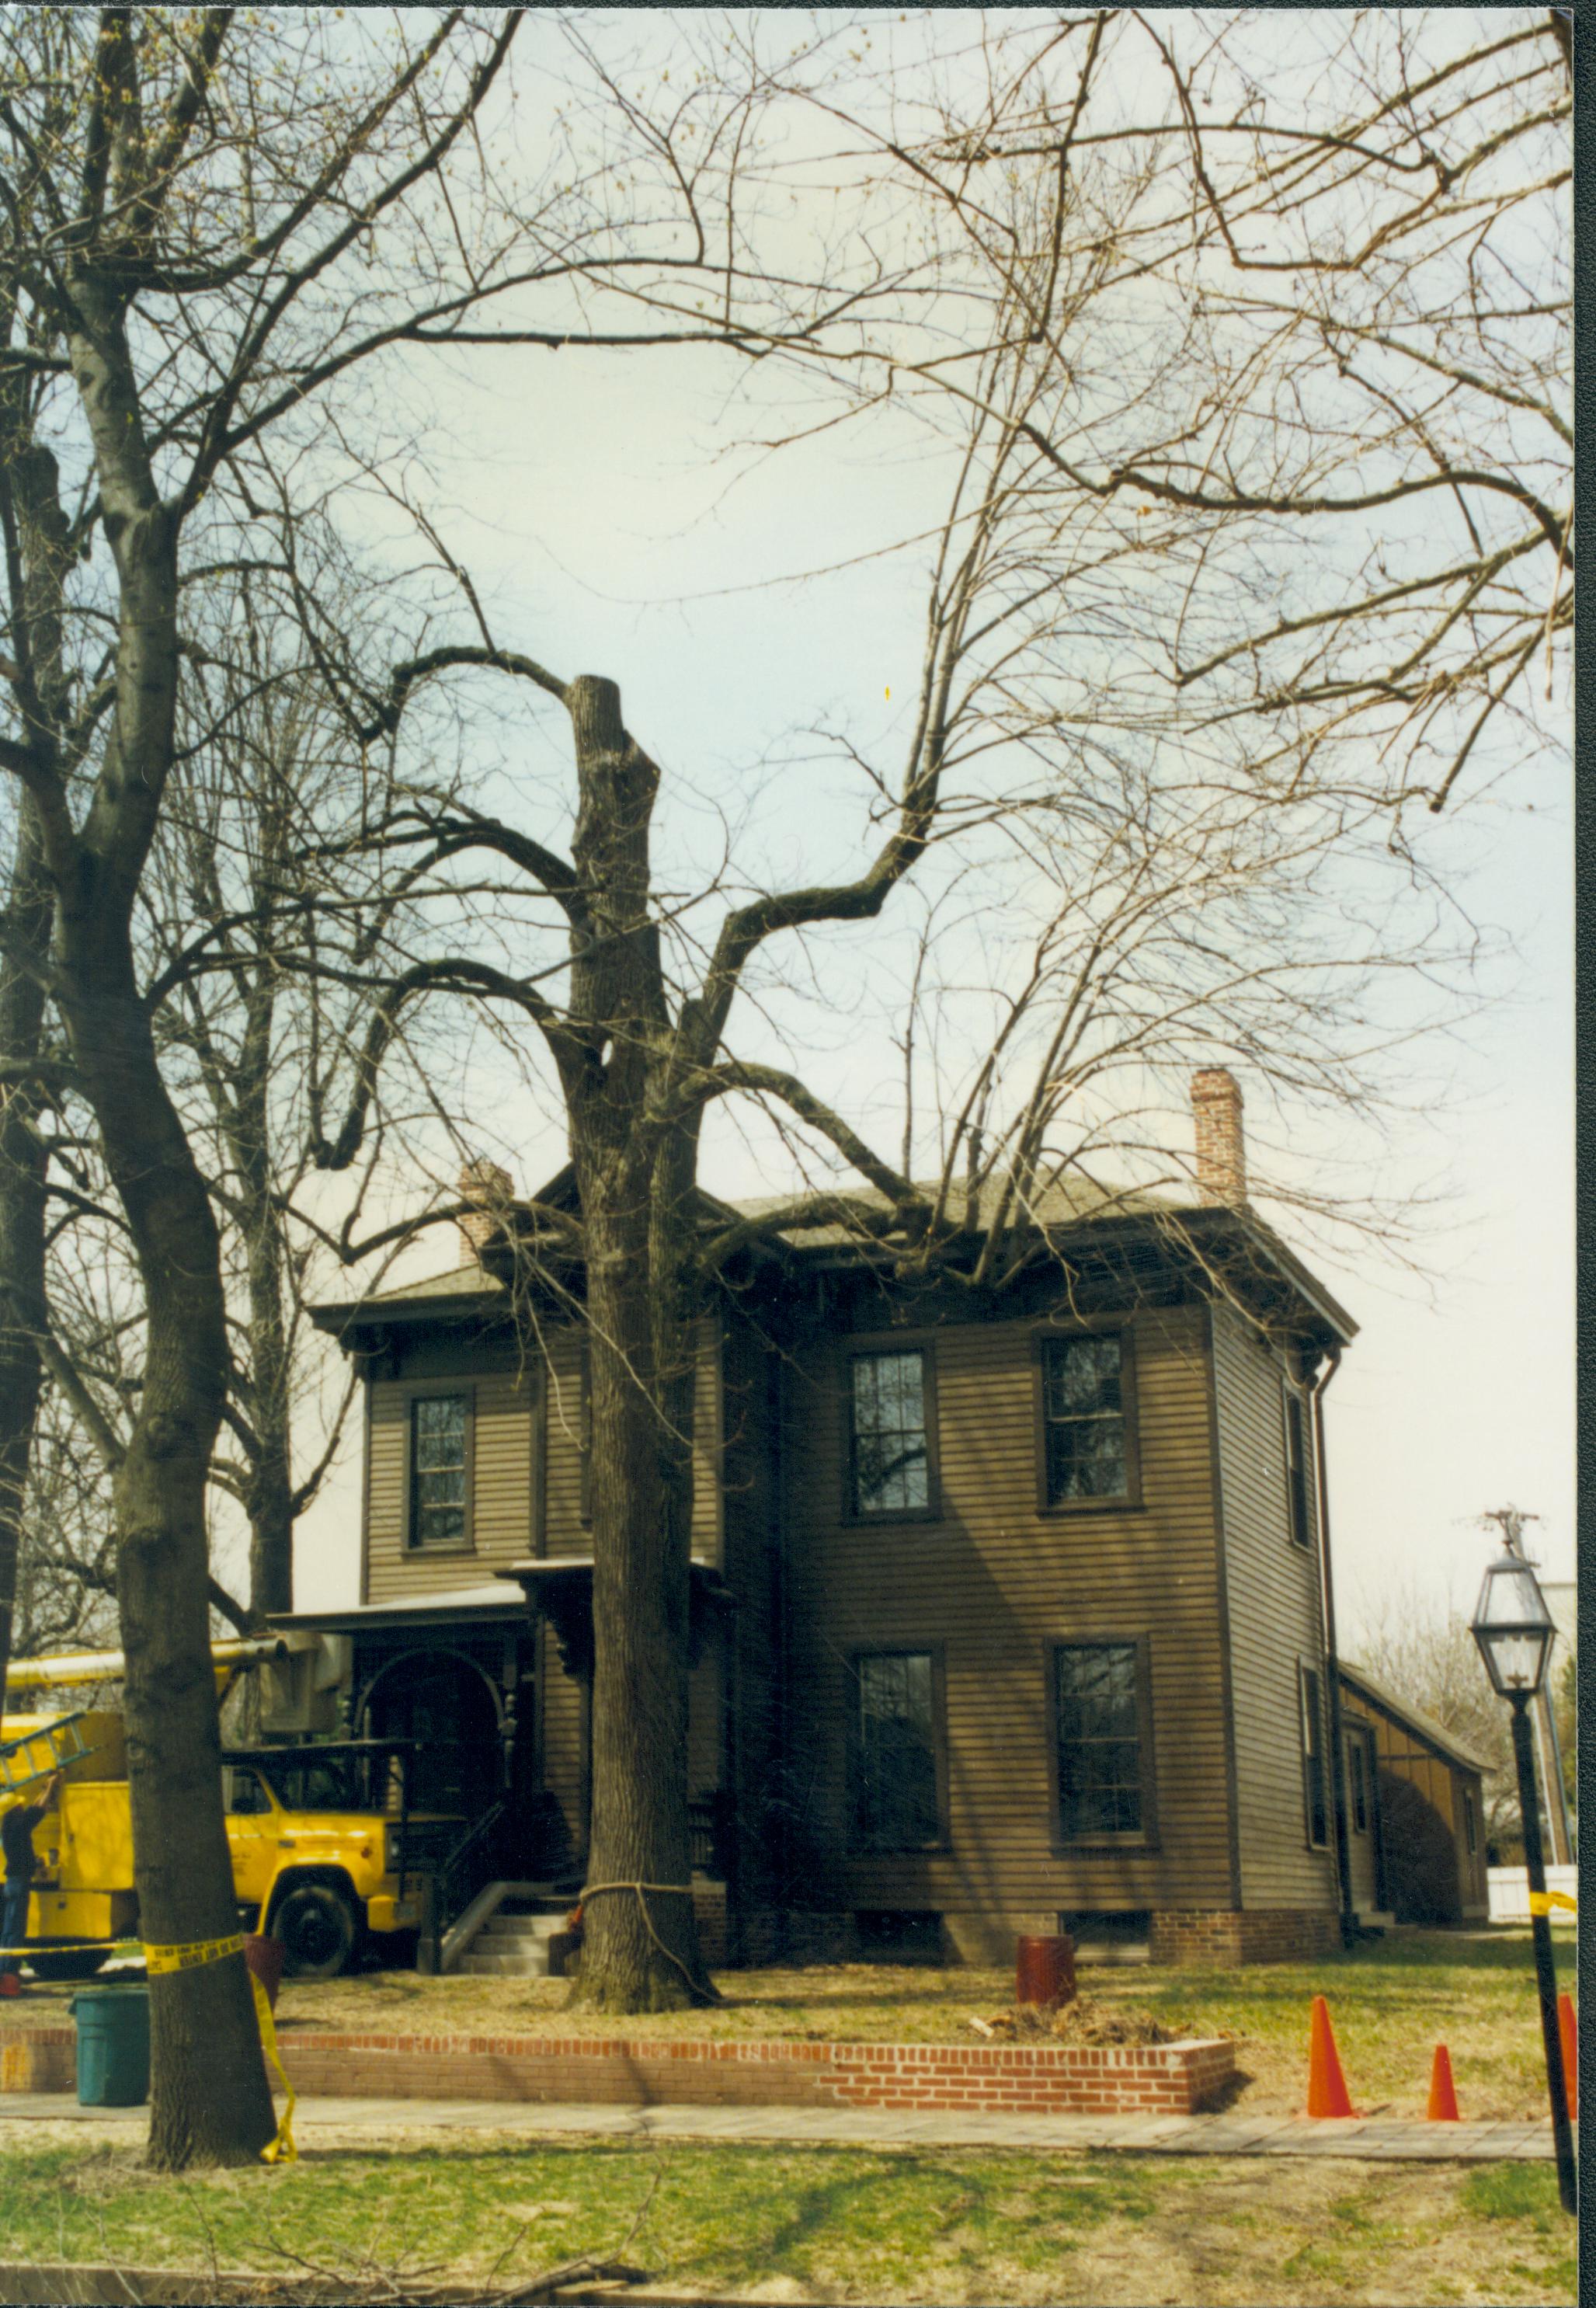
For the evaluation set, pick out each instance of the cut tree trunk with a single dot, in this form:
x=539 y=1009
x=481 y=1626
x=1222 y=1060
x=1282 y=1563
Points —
x=639 y=1949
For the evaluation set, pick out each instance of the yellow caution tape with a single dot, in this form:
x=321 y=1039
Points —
x=188 y=1955
x=1541 y=1903
x=108 y=1948
x=282 y=2149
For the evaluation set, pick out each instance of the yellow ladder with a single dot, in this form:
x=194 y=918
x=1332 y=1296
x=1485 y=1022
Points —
x=40 y=1754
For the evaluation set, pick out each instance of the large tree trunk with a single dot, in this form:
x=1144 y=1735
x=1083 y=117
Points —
x=640 y=1949
x=640 y=1946
x=209 y=2095
x=209 y=2099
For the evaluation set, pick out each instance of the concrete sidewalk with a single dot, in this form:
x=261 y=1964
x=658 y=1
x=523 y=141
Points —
x=1376 y=2139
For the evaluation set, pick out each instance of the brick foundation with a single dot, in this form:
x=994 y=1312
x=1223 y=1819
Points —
x=1031 y=2078
x=1225 y=1937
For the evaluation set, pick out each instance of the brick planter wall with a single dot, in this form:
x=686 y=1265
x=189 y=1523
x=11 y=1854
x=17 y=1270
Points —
x=38 y=2060
x=1229 y=1936
x=1030 y=2079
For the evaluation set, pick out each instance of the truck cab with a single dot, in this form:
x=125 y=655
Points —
x=325 y=1849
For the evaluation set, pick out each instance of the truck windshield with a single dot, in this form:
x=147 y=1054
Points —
x=336 y=1782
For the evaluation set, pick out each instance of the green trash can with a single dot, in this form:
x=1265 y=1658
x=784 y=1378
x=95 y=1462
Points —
x=112 y=2046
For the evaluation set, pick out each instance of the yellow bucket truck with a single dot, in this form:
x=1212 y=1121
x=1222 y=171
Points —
x=326 y=1851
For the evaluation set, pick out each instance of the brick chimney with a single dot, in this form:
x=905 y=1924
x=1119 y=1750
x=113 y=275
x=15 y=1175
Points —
x=489 y=1188
x=1220 y=1149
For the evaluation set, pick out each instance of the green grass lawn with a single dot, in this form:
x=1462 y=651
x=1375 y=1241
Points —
x=813 y=2225
x=1391 y=2002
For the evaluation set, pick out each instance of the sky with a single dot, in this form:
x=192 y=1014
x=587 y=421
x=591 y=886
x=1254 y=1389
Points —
x=608 y=530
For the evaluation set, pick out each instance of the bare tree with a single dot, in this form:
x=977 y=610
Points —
x=1054 y=720
x=185 y=262
x=209 y=235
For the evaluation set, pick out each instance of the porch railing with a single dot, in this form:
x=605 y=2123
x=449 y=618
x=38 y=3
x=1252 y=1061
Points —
x=448 y=1890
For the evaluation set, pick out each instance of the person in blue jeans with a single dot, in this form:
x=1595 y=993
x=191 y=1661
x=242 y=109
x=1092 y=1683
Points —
x=16 y=1841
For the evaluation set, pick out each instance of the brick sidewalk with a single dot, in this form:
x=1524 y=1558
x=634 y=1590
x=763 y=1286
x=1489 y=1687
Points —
x=1373 y=2139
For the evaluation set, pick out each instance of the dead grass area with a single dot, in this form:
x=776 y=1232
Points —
x=1391 y=2002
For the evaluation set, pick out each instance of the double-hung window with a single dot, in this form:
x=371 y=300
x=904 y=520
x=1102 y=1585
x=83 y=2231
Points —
x=889 y=1436
x=440 y=1470
x=894 y=1761
x=1101 y=1723
x=1087 y=1444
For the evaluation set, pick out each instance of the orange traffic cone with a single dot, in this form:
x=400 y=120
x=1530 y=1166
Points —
x=1569 y=2025
x=1443 y=2098
x=1327 y=2086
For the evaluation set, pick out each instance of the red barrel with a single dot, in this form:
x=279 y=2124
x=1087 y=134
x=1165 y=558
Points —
x=265 y=1957
x=1044 y=1969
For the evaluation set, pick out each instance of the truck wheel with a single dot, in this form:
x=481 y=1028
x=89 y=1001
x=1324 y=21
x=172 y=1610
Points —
x=316 y=1925
x=82 y=1963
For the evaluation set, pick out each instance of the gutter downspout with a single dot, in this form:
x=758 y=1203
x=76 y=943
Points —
x=1338 y=1767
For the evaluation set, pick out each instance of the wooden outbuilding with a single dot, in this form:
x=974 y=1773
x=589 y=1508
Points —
x=1415 y=1810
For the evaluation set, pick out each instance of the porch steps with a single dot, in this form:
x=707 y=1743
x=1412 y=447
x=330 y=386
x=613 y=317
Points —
x=512 y=1946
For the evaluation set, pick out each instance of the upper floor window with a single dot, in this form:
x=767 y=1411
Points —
x=1316 y=1796
x=1086 y=1442
x=1099 y=1701
x=894 y=1764
x=889 y=1460
x=1296 y=1466
x=439 y=1445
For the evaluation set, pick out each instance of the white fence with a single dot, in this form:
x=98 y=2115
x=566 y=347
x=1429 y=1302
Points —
x=1510 y=1892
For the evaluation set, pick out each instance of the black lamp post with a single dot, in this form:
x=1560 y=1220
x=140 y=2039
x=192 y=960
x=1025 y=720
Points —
x=1513 y=1629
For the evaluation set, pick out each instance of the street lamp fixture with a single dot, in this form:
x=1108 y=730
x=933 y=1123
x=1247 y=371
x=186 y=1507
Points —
x=1513 y=1629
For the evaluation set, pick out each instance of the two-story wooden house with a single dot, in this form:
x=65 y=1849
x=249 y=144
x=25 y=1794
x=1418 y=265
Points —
x=1009 y=1607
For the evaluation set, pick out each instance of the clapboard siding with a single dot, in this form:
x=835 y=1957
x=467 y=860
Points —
x=503 y=1488
x=526 y=1475
x=1275 y=1621
x=994 y=1583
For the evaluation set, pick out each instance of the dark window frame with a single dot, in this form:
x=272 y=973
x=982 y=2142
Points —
x=1128 y=1499
x=865 y=1350
x=936 y=1652
x=1296 y=1434
x=1146 y=1838
x=1315 y=1799
x=1471 y=1818
x=435 y=1390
